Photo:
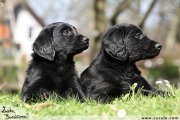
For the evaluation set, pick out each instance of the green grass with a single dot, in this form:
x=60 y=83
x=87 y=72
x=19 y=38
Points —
x=136 y=105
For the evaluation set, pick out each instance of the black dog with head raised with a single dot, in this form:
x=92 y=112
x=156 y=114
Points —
x=113 y=71
x=52 y=69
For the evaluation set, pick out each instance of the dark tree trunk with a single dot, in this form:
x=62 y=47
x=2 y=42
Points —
x=120 y=8
x=141 y=24
x=100 y=23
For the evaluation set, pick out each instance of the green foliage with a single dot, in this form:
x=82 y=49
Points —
x=167 y=71
x=8 y=71
x=8 y=74
x=6 y=54
x=2 y=1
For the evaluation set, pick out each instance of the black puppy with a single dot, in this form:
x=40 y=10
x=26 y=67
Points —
x=52 y=69
x=113 y=71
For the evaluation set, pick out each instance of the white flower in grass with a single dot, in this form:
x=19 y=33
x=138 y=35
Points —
x=121 y=113
x=159 y=82
x=166 y=81
x=163 y=84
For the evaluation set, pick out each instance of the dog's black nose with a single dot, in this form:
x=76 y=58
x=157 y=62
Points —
x=85 y=40
x=158 y=46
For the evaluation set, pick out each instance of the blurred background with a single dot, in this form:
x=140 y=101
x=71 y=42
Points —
x=22 y=20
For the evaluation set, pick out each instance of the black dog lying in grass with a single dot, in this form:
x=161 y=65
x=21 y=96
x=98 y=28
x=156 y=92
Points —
x=51 y=69
x=113 y=71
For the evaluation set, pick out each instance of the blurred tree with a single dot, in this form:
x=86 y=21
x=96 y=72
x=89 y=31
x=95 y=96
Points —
x=178 y=26
x=174 y=16
x=120 y=8
x=141 y=24
x=100 y=23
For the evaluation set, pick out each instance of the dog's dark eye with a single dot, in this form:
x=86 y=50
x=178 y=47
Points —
x=139 y=36
x=66 y=32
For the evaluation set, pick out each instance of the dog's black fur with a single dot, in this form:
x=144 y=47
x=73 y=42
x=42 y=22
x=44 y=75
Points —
x=52 y=69
x=113 y=71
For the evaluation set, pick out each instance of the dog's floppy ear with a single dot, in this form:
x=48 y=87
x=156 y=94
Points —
x=114 y=45
x=43 y=45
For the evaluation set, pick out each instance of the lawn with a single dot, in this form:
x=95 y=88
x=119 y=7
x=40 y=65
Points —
x=136 y=106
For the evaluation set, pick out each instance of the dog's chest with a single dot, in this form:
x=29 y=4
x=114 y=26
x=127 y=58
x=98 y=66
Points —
x=61 y=70
x=64 y=70
x=127 y=74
